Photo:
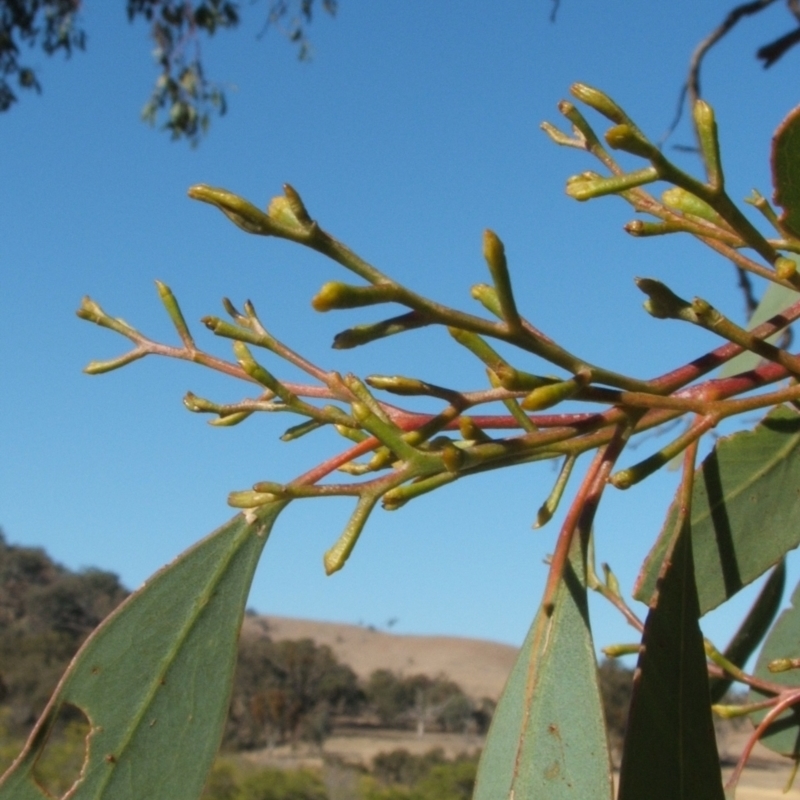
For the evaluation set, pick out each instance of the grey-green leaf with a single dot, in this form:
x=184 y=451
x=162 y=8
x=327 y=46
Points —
x=154 y=679
x=745 y=511
x=776 y=298
x=547 y=738
x=783 y=736
x=753 y=629
x=670 y=750
x=785 y=170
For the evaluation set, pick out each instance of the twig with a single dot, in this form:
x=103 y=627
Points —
x=691 y=87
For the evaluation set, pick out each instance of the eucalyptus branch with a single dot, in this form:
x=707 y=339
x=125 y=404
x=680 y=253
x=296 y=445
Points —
x=407 y=445
x=787 y=700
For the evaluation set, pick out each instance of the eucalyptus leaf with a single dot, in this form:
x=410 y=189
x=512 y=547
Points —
x=745 y=511
x=670 y=750
x=786 y=170
x=154 y=679
x=753 y=629
x=547 y=737
x=783 y=736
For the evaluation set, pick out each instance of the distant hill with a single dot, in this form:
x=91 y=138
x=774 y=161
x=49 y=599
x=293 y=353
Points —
x=478 y=666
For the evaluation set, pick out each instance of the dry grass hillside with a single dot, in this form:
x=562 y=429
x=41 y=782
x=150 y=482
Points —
x=479 y=667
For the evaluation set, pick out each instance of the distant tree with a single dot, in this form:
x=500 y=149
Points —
x=388 y=696
x=482 y=715
x=431 y=697
x=418 y=700
x=46 y=611
x=456 y=714
x=183 y=98
x=288 y=691
x=616 y=687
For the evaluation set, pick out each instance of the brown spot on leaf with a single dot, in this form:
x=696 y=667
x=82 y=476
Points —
x=553 y=771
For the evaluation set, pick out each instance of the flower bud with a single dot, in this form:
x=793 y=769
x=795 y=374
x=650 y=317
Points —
x=781 y=664
x=662 y=302
x=546 y=396
x=687 y=203
x=493 y=251
x=452 y=457
x=624 y=137
x=281 y=212
x=617 y=650
x=785 y=268
x=704 y=118
x=397 y=384
x=599 y=102
x=249 y=499
x=296 y=205
x=338 y=295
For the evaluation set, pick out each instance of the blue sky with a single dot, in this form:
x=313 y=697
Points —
x=414 y=128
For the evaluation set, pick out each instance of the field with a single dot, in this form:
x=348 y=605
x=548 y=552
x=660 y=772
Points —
x=481 y=668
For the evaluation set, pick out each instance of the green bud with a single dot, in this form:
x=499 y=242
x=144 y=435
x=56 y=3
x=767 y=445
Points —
x=395 y=498
x=487 y=296
x=360 y=412
x=516 y=380
x=785 y=268
x=281 y=213
x=337 y=295
x=680 y=200
x=249 y=499
x=783 y=664
x=99 y=367
x=91 y=311
x=296 y=205
x=494 y=252
x=174 y=312
x=296 y=431
x=255 y=370
x=546 y=396
x=704 y=311
x=495 y=255
x=199 y=405
x=583 y=177
x=611 y=581
x=624 y=137
x=269 y=487
x=638 y=227
x=599 y=102
x=617 y=650
x=662 y=302
x=221 y=327
x=351 y=433
x=335 y=558
x=706 y=127
x=229 y=420
x=703 y=115
x=731 y=712
x=471 y=432
x=452 y=457
x=241 y=212
x=582 y=188
x=398 y=384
